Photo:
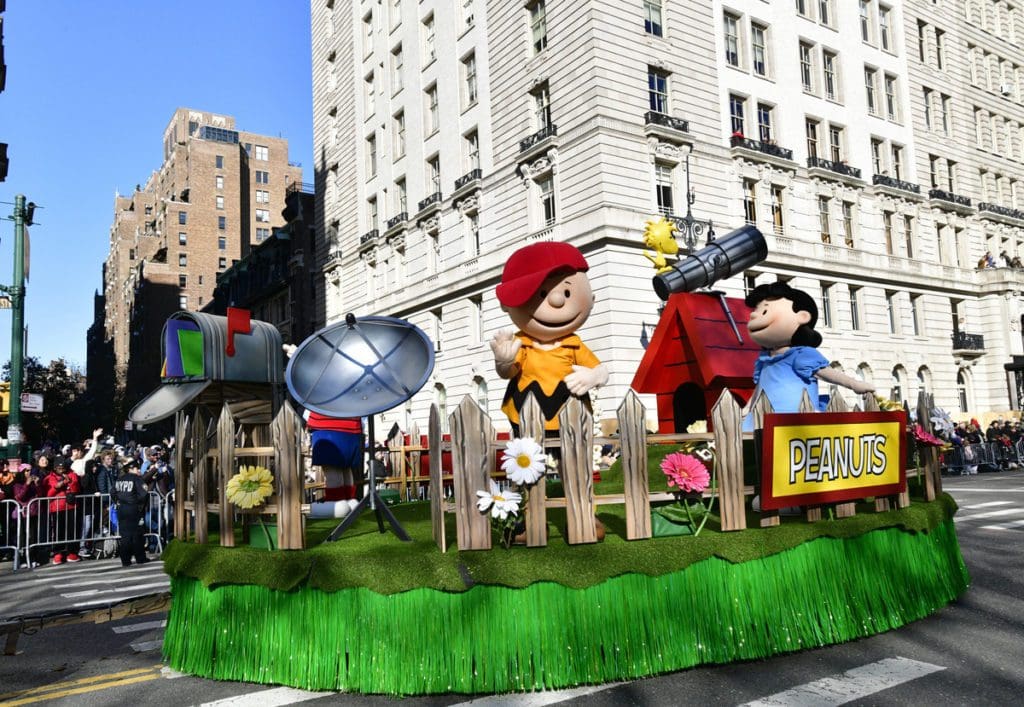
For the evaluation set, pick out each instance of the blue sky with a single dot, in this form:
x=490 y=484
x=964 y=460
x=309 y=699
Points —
x=90 y=88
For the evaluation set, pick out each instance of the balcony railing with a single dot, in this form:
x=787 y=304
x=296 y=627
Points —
x=397 y=220
x=1001 y=210
x=369 y=237
x=301 y=187
x=833 y=166
x=652 y=117
x=434 y=198
x=547 y=131
x=768 y=148
x=963 y=341
x=949 y=196
x=472 y=175
x=887 y=181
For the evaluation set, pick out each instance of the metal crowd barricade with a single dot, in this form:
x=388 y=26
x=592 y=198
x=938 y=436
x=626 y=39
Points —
x=10 y=529
x=158 y=519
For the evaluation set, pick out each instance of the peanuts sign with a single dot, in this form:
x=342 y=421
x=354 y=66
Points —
x=814 y=458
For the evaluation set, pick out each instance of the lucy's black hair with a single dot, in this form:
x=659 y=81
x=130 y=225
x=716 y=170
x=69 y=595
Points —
x=805 y=335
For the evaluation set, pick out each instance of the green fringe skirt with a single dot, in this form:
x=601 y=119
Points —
x=498 y=639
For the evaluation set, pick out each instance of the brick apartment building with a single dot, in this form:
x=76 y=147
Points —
x=217 y=194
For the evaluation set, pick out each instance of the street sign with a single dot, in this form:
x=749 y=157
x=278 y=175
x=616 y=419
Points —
x=31 y=402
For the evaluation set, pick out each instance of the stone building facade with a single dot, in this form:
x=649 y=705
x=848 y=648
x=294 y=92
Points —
x=878 y=145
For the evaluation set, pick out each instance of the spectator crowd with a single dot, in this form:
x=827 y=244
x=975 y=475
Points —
x=62 y=505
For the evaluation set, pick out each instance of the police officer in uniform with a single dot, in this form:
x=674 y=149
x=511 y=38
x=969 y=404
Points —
x=130 y=495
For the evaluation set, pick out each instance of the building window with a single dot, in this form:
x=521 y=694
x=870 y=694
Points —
x=652 y=17
x=806 y=66
x=940 y=52
x=219 y=161
x=736 y=113
x=222 y=222
x=663 y=189
x=933 y=171
x=824 y=219
x=865 y=20
x=472 y=145
x=764 y=122
x=891 y=111
x=750 y=201
x=401 y=196
x=811 y=129
x=876 y=156
x=182 y=238
x=371 y=212
x=262 y=196
x=759 y=49
x=368 y=33
x=434 y=174
x=261 y=152
x=848 y=223
x=262 y=234
x=222 y=243
x=182 y=301
x=826 y=305
x=778 y=223
x=182 y=218
x=870 y=78
x=399 y=131
x=897 y=162
x=732 y=39
x=854 y=307
x=262 y=216
x=433 y=123
x=801 y=8
x=887 y=217
x=369 y=95
x=219 y=182
x=945 y=103
x=182 y=281
x=473 y=232
x=915 y=314
x=182 y=260
x=262 y=177
x=397 y=69
x=222 y=263
x=657 y=90
x=884 y=22
x=131 y=254
x=467 y=13
x=825 y=12
x=429 y=50
x=371 y=155
x=538 y=26
x=547 y=198
x=830 y=63
x=835 y=142
x=220 y=202
x=469 y=79
x=542 y=106
x=908 y=235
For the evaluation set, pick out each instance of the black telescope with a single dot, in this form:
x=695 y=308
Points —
x=734 y=252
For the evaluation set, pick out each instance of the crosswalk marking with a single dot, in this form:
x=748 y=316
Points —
x=144 y=626
x=269 y=698
x=986 y=505
x=1009 y=525
x=988 y=514
x=537 y=699
x=849 y=686
x=114 y=590
x=146 y=646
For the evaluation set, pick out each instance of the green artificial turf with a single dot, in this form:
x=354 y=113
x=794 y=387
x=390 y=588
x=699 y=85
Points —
x=363 y=557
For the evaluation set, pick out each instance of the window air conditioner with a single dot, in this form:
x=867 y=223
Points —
x=1005 y=89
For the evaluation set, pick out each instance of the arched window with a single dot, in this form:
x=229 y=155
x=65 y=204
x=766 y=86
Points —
x=899 y=379
x=480 y=392
x=924 y=379
x=962 y=386
x=865 y=373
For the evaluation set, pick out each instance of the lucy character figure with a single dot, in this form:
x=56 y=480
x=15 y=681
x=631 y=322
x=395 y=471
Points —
x=544 y=289
x=782 y=322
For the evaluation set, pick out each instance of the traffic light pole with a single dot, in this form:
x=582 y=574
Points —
x=16 y=292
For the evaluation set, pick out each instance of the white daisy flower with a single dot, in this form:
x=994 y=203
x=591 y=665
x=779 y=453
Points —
x=524 y=461
x=500 y=503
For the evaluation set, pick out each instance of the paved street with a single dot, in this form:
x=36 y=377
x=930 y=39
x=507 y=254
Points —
x=966 y=654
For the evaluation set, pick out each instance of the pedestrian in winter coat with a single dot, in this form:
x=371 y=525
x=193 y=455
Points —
x=63 y=486
x=131 y=496
x=24 y=491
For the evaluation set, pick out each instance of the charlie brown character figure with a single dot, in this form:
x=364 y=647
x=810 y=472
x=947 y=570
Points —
x=782 y=322
x=544 y=289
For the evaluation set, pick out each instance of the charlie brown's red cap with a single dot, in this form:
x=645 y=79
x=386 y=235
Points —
x=530 y=266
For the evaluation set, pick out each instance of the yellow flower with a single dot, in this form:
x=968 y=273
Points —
x=250 y=487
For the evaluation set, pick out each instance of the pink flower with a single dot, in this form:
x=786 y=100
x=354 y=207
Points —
x=926 y=438
x=685 y=472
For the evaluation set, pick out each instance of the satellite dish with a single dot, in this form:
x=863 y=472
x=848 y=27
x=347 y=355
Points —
x=360 y=367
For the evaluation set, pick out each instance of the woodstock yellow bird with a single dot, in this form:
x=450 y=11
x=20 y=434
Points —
x=660 y=235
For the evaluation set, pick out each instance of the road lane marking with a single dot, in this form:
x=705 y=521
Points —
x=269 y=698
x=146 y=646
x=855 y=684
x=989 y=514
x=115 y=590
x=145 y=626
x=136 y=672
x=986 y=505
x=1010 y=525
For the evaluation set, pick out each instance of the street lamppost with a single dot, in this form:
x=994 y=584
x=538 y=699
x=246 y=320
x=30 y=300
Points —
x=22 y=217
x=689 y=228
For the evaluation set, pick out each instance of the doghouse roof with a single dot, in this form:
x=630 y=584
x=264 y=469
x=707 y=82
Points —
x=695 y=342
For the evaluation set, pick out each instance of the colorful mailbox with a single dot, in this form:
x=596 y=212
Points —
x=202 y=349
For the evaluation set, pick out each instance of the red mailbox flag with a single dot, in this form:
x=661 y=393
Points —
x=238 y=323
